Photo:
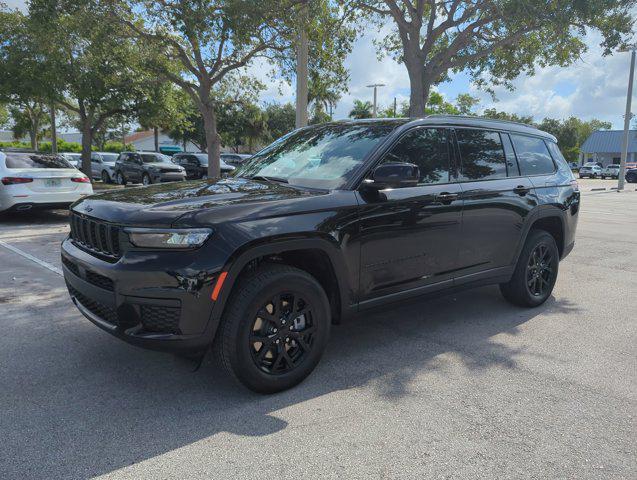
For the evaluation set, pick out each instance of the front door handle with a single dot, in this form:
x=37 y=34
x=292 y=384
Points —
x=521 y=190
x=446 y=197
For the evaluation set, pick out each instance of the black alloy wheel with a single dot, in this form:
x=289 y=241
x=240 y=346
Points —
x=282 y=334
x=539 y=271
x=274 y=328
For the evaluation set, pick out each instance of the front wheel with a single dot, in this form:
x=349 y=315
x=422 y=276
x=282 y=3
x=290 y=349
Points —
x=146 y=179
x=274 y=329
x=535 y=273
x=105 y=177
x=119 y=178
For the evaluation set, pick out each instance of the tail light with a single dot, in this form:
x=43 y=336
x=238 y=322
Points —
x=81 y=180
x=15 y=180
x=575 y=185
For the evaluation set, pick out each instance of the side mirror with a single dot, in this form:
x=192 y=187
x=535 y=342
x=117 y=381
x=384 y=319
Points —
x=394 y=175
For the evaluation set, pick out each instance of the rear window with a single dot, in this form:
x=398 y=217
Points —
x=533 y=155
x=481 y=154
x=36 y=160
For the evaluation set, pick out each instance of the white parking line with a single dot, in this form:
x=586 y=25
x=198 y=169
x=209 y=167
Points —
x=42 y=263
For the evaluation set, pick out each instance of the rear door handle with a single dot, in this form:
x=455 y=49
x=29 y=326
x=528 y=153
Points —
x=446 y=197
x=521 y=190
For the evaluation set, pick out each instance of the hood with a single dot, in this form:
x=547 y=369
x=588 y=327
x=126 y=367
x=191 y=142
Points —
x=162 y=165
x=164 y=204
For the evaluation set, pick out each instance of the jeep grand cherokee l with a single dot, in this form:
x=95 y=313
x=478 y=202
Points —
x=327 y=221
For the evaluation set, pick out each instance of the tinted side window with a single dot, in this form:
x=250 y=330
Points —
x=555 y=152
x=428 y=149
x=533 y=155
x=481 y=154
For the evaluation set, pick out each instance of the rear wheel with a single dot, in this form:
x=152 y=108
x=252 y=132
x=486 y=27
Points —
x=535 y=273
x=274 y=329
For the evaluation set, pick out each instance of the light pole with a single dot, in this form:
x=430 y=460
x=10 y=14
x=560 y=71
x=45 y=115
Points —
x=375 y=87
x=627 y=117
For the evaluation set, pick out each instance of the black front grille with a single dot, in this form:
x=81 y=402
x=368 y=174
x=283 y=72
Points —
x=160 y=319
x=96 y=308
x=95 y=236
x=100 y=280
x=71 y=266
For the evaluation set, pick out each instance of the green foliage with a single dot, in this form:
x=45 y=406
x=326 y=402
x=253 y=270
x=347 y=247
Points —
x=571 y=133
x=494 y=41
x=281 y=119
x=512 y=117
x=361 y=109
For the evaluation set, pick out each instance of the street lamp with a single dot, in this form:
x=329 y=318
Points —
x=627 y=117
x=375 y=87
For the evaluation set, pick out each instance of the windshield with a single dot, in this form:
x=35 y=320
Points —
x=324 y=156
x=155 y=158
x=203 y=158
x=109 y=157
x=36 y=160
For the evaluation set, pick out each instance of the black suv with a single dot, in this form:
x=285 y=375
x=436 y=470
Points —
x=196 y=165
x=324 y=223
x=147 y=168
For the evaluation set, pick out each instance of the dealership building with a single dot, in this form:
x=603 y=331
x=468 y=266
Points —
x=605 y=146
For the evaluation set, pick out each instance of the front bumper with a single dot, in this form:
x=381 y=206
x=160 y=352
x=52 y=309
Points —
x=156 y=300
x=168 y=177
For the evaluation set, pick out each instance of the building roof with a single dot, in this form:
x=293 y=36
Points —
x=609 y=141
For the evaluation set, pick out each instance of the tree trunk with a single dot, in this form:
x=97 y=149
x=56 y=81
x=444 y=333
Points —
x=302 y=71
x=87 y=143
x=54 y=134
x=419 y=88
x=213 y=141
x=34 y=141
x=156 y=135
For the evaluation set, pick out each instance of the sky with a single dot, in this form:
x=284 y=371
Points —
x=593 y=87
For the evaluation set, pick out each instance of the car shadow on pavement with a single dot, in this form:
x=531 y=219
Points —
x=95 y=404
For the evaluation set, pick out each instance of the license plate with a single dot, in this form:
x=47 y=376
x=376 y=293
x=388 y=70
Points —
x=52 y=182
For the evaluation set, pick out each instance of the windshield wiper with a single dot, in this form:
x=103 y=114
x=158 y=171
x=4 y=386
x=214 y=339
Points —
x=269 y=179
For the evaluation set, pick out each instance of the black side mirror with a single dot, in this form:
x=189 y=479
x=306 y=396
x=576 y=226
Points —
x=394 y=175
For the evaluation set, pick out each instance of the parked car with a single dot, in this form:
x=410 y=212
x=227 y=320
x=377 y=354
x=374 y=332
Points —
x=631 y=175
x=103 y=166
x=590 y=171
x=331 y=220
x=235 y=158
x=196 y=165
x=610 y=171
x=147 y=168
x=74 y=159
x=33 y=179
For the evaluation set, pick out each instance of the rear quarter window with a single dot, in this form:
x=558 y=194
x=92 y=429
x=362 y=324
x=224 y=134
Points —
x=35 y=160
x=533 y=155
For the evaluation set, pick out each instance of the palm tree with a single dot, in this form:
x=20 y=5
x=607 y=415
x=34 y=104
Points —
x=321 y=95
x=361 y=109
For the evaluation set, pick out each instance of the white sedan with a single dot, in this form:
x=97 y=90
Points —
x=30 y=179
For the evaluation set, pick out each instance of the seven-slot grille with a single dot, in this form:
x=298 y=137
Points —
x=96 y=236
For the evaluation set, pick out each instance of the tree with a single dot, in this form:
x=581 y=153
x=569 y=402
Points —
x=361 y=109
x=104 y=74
x=280 y=119
x=160 y=110
x=4 y=115
x=571 y=133
x=493 y=40
x=211 y=40
x=511 y=117
x=26 y=82
x=30 y=117
x=465 y=103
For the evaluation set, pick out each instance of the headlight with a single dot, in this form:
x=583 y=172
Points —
x=168 y=238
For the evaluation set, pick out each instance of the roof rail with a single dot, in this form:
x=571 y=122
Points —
x=477 y=117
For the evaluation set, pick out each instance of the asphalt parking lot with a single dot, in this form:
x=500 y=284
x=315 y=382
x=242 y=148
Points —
x=464 y=386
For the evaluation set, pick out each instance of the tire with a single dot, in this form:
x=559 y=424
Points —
x=119 y=178
x=146 y=180
x=522 y=289
x=273 y=370
x=105 y=177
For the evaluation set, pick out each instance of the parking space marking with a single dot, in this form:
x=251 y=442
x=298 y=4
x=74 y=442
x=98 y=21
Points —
x=28 y=256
